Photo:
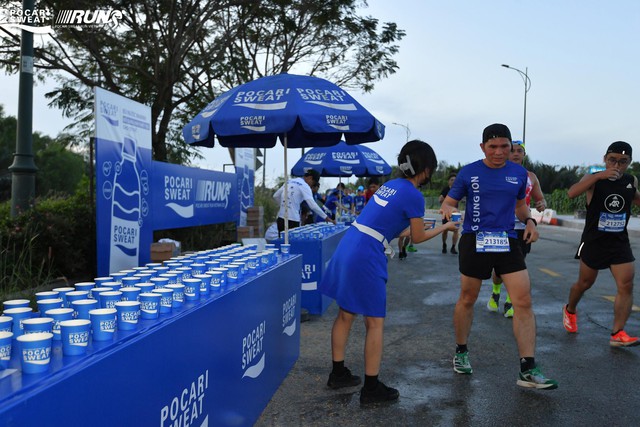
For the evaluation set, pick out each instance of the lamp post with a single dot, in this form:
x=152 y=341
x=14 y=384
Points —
x=527 y=86
x=406 y=129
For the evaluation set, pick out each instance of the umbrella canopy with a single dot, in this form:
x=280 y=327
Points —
x=342 y=160
x=303 y=110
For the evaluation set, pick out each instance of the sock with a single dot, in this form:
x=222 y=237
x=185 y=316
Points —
x=496 y=288
x=338 y=368
x=461 y=348
x=508 y=299
x=370 y=382
x=527 y=363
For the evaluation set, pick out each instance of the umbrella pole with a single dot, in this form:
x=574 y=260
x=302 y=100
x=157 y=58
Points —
x=286 y=200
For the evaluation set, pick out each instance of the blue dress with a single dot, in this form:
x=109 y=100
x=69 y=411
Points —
x=356 y=276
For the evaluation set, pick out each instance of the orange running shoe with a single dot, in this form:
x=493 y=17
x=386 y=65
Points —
x=621 y=339
x=570 y=321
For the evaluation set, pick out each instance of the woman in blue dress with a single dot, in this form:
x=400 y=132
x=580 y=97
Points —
x=397 y=207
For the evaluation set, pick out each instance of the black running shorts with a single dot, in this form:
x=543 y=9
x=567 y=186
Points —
x=600 y=256
x=480 y=264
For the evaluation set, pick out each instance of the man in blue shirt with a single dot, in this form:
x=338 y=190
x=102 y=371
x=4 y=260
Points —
x=494 y=187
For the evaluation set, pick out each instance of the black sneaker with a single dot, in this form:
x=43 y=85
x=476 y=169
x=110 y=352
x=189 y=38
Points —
x=453 y=250
x=381 y=393
x=444 y=249
x=344 y=380
x=403 y=255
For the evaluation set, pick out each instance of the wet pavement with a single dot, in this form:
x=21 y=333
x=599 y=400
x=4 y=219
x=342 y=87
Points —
x=598 y=384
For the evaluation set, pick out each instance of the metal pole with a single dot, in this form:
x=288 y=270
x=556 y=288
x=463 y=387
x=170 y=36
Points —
x=23 y=169
x=527 y=85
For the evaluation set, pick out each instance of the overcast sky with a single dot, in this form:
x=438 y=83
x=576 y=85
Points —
x=582 y=58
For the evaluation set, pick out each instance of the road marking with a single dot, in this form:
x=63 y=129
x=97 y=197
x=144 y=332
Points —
x=549 y=272
x=612 y=298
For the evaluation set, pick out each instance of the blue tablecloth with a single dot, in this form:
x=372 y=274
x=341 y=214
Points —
x=216 y=361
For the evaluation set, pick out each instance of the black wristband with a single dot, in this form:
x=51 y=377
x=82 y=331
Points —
x=531 y=219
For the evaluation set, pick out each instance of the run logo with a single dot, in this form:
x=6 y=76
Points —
x=79 y=17
x=213 y=191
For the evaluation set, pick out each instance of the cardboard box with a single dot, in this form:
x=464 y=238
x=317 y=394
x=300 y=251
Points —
x=244 y=233
x=162 y=251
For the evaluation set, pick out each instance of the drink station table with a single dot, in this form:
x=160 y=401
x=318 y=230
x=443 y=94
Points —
x=316 y=253
x=217 y=361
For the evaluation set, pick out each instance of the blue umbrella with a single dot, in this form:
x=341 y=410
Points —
x=302 y=111
x=342 y=160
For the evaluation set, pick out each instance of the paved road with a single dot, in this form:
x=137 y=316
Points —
x=598 y=384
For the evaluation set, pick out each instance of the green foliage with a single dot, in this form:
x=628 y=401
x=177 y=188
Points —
x=562 y=204
x=59 y=170
x=264 y=197
x=54 y=238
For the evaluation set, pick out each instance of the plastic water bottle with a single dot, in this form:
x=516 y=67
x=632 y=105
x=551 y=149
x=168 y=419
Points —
x=125 y=210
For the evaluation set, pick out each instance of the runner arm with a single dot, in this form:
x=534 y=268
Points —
x=419 y=234
x=536 y=193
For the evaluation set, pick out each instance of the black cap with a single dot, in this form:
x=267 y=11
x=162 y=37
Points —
x=620 y=147
x=313 y=174
x=496 y=130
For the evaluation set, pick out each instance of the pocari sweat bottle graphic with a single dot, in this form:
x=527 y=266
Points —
x=125 y=211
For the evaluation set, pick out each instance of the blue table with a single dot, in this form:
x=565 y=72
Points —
x=217 y=362
x=315 y=257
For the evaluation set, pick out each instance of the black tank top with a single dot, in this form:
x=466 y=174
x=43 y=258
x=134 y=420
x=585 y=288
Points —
x=610 y=209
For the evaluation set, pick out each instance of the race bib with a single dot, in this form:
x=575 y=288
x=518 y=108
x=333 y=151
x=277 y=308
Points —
x=612 y=223
x=492 y=241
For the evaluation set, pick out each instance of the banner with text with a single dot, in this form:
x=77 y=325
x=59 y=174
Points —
x=135 y=195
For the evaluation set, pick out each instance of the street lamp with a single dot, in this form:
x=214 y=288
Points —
x=406 y=129
x=527 y=86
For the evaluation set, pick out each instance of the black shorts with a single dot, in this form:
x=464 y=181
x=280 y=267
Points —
x=480 y=264
x=524 y=246
x=292 y=224
x=600 y=256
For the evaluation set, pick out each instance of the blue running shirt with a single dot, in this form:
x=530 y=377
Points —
x=391 y=207
x=491 y=196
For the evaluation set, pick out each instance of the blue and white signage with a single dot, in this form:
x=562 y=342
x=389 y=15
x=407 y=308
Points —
x=123 y=163
x=136 y=195
x=185 y=197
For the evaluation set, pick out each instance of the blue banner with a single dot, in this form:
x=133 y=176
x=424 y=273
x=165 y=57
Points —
x=123 y=165
x=186 y=197
x=135 y=195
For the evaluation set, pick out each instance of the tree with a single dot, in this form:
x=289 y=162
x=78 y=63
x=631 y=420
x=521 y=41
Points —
x=59 y=169
x=178 y=55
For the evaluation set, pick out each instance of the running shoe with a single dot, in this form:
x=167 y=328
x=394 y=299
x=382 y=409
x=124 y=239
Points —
x=461 y=363
x=381 y=393
x=345 y=380
x=453 y=250
x=492 y=305
x=444 y=248
x=403 y=255
x=570 y=321
x=410 y=248
x=621 y=339
x=508 y=310
x=534 y=378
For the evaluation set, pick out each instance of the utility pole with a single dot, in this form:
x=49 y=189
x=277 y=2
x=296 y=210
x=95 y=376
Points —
x=23 y=170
